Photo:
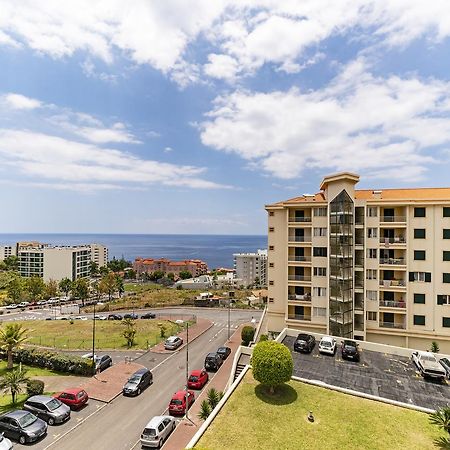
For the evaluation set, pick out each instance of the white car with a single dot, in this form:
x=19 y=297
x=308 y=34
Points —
x=5 y=443
x=157 y=431
x=428 y=365
x=23 y=304
x=12 y=306
x=327 y=345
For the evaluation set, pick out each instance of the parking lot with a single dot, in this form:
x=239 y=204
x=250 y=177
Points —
x=383 y=375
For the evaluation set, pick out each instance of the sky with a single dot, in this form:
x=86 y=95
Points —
x=190 y=116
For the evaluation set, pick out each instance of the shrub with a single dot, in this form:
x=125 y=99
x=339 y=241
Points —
x=247 y=334
x=271 y=364
x=263 y=338
x=434 y=347
x=35 y=387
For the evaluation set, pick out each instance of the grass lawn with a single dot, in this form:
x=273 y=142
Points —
x=108 y=333
x=251 y=419
x=31 y=371
x=7 y=405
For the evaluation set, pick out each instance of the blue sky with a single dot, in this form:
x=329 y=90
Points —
x=188 y=117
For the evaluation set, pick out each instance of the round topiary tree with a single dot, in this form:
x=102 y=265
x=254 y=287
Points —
x=272 y=364
x=247 y=334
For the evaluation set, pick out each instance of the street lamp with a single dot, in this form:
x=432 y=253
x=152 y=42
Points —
x=187 y=371
x=229 y=309
x=93 y=341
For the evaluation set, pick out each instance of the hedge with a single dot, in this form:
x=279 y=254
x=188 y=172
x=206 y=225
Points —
x=247 y=334
x=53 y=361
x=35 y=387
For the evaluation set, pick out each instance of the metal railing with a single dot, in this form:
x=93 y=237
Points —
x=393 y=283
x=299 y=259
x=299 y=219
x=299 y=239
x=392 y=261
x=399 y=326
x=393 y=240
x=304 y=297
x=393 y=219
x=392 y=304
x=299 y=278
x=299 y=317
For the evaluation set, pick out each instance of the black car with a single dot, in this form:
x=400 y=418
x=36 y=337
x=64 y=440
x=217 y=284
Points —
x=102 y=363
x=213 y=361
x=115 y=317
x=445 y=363
x=140 y=379
x=130 y=316
x=224 y=352
x=304 y=343
x=148 y=315
x=48 y=408
x=22 y=426
x=349 y=350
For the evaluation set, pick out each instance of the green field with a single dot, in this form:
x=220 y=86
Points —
x=31 y=371
x=64 y=335
x=251 y=419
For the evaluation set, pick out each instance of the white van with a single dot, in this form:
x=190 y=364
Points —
x=157 y=430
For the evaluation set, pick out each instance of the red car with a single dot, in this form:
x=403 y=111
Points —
x=197 y=379
x=75 y=398
x=177 y=405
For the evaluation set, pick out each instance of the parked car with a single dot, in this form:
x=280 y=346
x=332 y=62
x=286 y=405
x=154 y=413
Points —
x=197 y=379
x=12 y=306
x=349 y=350
x=140 y=379
x=47 y=408
x=22 y=426
x=445 y=363
x=133 y=316
x=428 y=365
x=115 y=317
x=304 y=343
x=177 y=405
x=5 y=443
x=102 y=317
x=148 y=315
x=157 y=431
x=327 y=345
x=213 y=361
x=73 y=398
x=224 y=352
x=102 y=362
x=173 y=342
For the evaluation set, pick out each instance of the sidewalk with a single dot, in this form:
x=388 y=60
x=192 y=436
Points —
x=185 y=430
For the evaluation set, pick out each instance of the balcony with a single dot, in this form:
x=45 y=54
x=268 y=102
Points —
x=299 y=239
x=300 y=219
x=301 y=298
x=299 y=277
x=392 y=304
x=393 y=261
x=299 y=259
x=393 y=219
x=299 y=317
x=392 y=283
x=392 y=325
x=393 y=240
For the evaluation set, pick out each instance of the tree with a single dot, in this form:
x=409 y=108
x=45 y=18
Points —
x=108 y=284
x=130 y=274
x=205 y=410
x=11 y=338
x=434 y=347
x=117 y=265
x=119 y=285
x=35 y=287
x=11 y=262
x=81 y=289
x=93 y=268
x=130 y=331
x=103 y=271
x=14 y=381
x=272 y=364
x=15 y=289
x=66 y=286
x=51 y=289
x=207 y=405
x=156 y=275
x=185 y=274
x=441 y=418
x=96 y=289
x=247 y=334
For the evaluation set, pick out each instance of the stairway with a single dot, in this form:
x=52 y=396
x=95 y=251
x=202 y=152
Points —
x=239 y=369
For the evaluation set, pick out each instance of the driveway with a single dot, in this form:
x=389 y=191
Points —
x=383 y=375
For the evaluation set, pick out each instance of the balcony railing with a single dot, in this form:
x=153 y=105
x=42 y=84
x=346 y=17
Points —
x=299 y=239
x=392 y=304
x=303 y=297
x=299 y=277
x=399 y=326
x=392 y=261
x=393 y=219
x=299 y=219
x=299 y=258
x=393 y=240
x=299 y=317
x=393 y=283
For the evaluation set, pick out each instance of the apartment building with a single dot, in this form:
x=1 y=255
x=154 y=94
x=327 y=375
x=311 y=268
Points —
x=250 y=267
x=148 y=265
x=6 y=251
x=363 y=264
x=99 y=254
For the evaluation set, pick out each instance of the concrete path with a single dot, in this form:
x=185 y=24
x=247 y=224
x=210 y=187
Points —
x=60 y=383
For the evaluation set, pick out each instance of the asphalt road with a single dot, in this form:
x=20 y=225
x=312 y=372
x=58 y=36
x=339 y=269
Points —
x=118 y=425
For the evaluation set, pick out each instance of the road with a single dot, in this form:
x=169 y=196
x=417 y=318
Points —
x=118 y=425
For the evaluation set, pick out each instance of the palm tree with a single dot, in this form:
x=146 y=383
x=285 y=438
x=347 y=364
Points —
x=441 y=418
x=14 y=381
x=11 y=338
x=205 y=410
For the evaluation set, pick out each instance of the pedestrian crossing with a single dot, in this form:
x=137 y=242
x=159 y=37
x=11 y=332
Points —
x=225 y=324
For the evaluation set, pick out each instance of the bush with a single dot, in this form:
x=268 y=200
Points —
x=263 y=338
x=272 y=364
x=35 y=387
x=247 y=334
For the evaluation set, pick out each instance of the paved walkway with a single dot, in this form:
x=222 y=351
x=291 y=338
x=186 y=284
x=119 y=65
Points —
x=60 y=383
x=185 y=430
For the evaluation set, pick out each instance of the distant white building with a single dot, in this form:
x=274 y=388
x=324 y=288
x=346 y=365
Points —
x=250 y=267
x=99 y=254
x=6 y=251
x=201 y=282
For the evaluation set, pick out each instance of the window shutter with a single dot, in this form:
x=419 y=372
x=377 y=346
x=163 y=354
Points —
x=428 y=277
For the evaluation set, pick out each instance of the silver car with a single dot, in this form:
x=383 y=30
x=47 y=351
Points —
x=5 y=443
x=157 y=430
x=173 y=342
x=48 y=408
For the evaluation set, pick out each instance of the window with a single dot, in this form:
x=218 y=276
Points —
x=270 y=283
x=371 y=315
x=319 y=312
x=320 y=251
x=419 y=320
x=372 y=211
x=320 y=271
x=320 y=212
x=446 y=322
x=419 y=298
x=419 y=255
x=446 y=211
x=443 y=299
x=445 y=255
x=372 y=232
x=372 y=253
x=419 y=212
x=320 y=232
x=372 y=295
x=270 y=299
x=271 y=247
x=446 y=233
x=419 y=233
x=319 y=292
x=446 y=277
x=371 y=274
x=271 y=229
x=271 y=265
x=420 y=276
x=271 y=213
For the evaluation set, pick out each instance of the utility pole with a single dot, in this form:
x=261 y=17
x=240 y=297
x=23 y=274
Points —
x=93 y=342
x=187 y=371
x=229 y=308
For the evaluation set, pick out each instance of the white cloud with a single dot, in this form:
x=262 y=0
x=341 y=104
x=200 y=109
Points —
x=168 y=149
x=18 y=101
x=358 y=122
x=221 y=66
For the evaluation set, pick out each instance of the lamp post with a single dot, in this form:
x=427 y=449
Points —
x=229 y=308
x=187 y=371
x=93 y=341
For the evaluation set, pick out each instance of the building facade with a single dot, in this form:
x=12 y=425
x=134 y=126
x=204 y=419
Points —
x=149 y=265
x=6 y=251
x=249 y=267
x=99 y=254
x=362 y=264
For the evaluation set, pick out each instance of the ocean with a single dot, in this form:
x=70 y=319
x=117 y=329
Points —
x=215 y=250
